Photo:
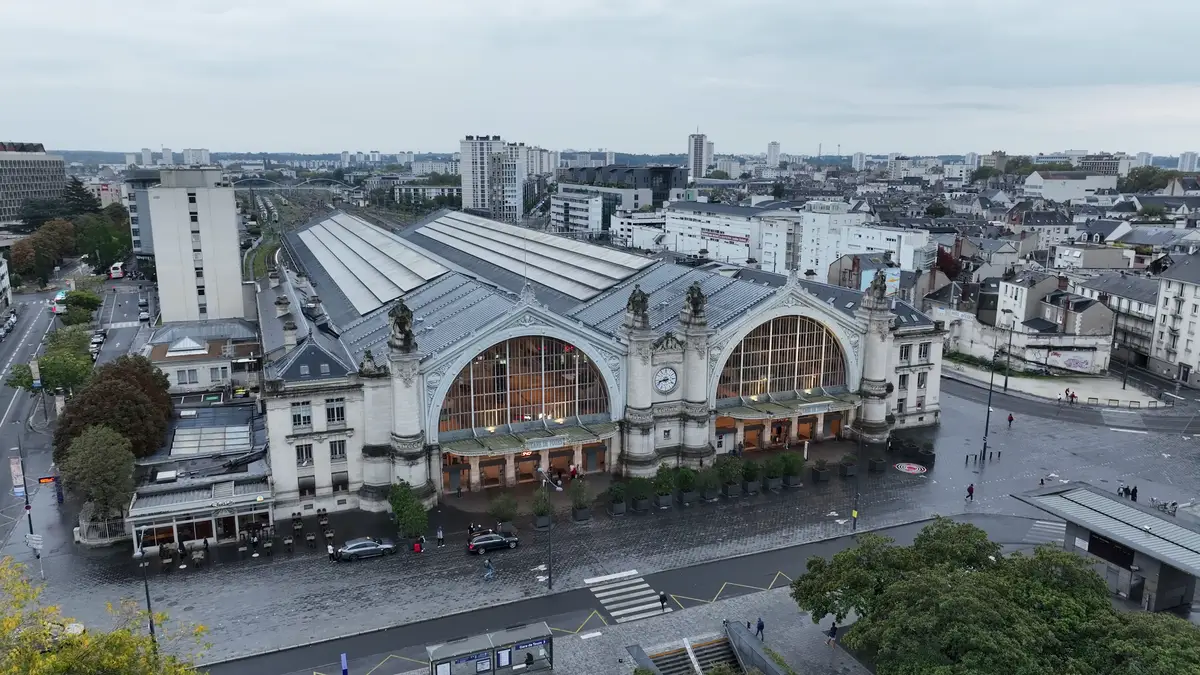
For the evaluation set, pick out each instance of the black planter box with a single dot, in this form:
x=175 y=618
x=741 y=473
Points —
x=793 y=481
x=616 y=508
x=751 y=486
x=847 y=470
x=581 y=515
x=542 y=522
x=820 y=475
x=774 y=484
x=662 y=501
x=710 y=494
x=689 y=497
x=876 y=465
x=926 y=457
x=731 y=490
x=641 y=505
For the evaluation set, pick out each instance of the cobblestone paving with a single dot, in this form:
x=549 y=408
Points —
x=268 y=603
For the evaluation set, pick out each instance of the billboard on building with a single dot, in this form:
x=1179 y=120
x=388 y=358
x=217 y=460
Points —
x=891 y=277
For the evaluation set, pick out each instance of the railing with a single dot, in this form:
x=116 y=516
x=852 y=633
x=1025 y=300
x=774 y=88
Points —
x=749 y=650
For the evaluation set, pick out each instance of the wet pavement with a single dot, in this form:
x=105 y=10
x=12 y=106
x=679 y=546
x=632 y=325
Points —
x=255 y=604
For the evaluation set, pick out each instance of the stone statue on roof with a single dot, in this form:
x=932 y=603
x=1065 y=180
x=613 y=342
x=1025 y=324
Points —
x=368 y=367
x=639 y=302
x=878 y=289
x=696 y=298
x=402 y=328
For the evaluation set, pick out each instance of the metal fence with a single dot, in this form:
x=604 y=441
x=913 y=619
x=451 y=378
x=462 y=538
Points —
x=749 y=650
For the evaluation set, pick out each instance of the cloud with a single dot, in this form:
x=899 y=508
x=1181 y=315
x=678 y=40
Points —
x=919 y=76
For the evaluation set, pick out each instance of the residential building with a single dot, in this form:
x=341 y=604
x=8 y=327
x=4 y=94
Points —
x=344 y=160
x=427 y=167
x=1091 y=256
x=494 y=175
x=1074 y=314
x=971 y=159
x=1065 y=186
x=709 y=154
x=1187 y=161
x=196 y=157
x=1051 y=227
x=403 y=192
x=664 y=183
x=639 y=229
x=823 y=231
x=730 y=166
x=554 y=352
x=168 y=158
x=137 y=202
x=858 y=161
x=1144 y=159
x=5 y=285
x=131 y=159
x=697 y=156
x=147 y=157
x=1182 y=186
x=957 y=175
x=772 y=154
x=577 y=212
x=1176 y=354
x=108 y=192
x=721 y=232
x=374 y=157
x=27 y=172
x=1107 y=164
x=997 y=159
x=206 y=355
x=1133 y=300
x=195 y=225
x=1021 y=294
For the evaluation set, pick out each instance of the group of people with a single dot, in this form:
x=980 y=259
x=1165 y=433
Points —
x=1126 y=492
x=1070 y=396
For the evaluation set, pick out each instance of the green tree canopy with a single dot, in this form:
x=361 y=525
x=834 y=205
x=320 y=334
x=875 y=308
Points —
x=936 y=210
x=35 y=212
x=84 y=300
x=99 y=467
x=120 y=405
x=1055 y=166
x=718 y=174
x=57 y=369
x=1019 y=165
x=412 y=520
x=76 y=316
x=1146 y=179
x=983 y=173
x=951 y=604
x=1152 y=211
x=144 y=375
x=777 y=190
x=78 y=199
x=102 y=238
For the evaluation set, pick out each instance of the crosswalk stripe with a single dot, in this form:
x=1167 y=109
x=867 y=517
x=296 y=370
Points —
x=635 y=617
x=619 y=584
x=650 y=593
x=621 y=591
x=1044 y=531
x=627 y=597
x=637 y=609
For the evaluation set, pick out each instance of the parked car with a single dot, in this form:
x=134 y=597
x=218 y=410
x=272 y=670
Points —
x=143 y=316
x=97 y=339
x=365 y=548
x=143 y=302
x=492 y=541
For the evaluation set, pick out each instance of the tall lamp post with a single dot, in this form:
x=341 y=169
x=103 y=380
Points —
x=987 y=421
x=546 y=484
x=143 y=563
x=1012 y=321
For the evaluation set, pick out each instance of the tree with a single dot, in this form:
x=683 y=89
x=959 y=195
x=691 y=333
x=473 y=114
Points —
x=37 y=639
x=117 y=214
x=1019 y=165
x=99 y=467
x=84 y=300
x=745 y=175
x=719 y=174
x=777 y=190
x=23 y=257
x=412 y=520
x=76 y=316
x=78 y=199
x=57 y=369
x=1145 y=179
x=1152 y=211
x=936 y=210
x=119 y=405
x=948 y=264
x=103 y=239
x=34 y=212
x=145 y=376
x=983 y=173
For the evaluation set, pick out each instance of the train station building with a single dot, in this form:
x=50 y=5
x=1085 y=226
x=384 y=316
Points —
x=465 y=354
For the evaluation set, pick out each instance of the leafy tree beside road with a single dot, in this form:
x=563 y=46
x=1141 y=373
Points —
x=128 y=395
x=65 y=363
x=1144 y=179
x=99 y=467
x=412 y=520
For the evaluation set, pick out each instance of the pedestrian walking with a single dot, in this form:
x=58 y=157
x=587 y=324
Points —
x=1133 y=493
x=758 y=632
x=832 y=633
x=441 y=537
x=574 y=472
x=1060 y=399
x=662 y=600
x=1074 y=396
x=332 y=555
x=971 y=492
x=489 y=572
x=1010 y=420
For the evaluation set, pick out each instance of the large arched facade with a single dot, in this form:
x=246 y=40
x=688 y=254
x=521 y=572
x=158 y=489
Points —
x=785 y=354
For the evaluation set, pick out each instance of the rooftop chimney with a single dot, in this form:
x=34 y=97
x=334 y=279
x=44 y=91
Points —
x=282 y=306
x=289 y=336
x=1063 y=282
x=273 y=278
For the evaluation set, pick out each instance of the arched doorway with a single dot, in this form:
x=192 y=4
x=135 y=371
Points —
x=778 y=386
x=523 y=404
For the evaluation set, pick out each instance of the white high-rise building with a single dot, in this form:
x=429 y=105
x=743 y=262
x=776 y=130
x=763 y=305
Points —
x=374 y=156
x=477 y=157
x=1187 y=161
x=345 y=159
x=168 y=157
x=709 y=150
x=196 y=237
x=696 y=151
x=972 y=160
x=858 y=161
x=193 y=156
x=773 y=154
x=147 y=157
x=359 y=158
x=131 y=158
x=1144 y=159
x=494 y=174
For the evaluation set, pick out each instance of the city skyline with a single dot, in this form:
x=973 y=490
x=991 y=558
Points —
x=876 y=79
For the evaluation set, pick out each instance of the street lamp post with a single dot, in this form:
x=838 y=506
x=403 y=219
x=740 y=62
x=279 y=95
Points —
x=1012 y=320
x=141 y=533
x=987 y=420
x=546 y=482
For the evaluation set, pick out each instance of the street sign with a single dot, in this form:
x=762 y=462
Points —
x=18 y=476
x=34 y=541
x=36 y=373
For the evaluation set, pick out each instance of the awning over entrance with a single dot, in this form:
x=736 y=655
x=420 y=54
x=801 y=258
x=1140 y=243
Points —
x=531 y=441
x=200 y=500
x=766 y=410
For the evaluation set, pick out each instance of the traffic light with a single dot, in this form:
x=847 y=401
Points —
x=47 y=479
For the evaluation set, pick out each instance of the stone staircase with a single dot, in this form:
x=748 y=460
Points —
x=709 y=654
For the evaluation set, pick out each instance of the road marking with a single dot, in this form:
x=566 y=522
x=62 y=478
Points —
x=124 y=324
x=17 y=392
x=610 y=577
x=1130 y=431
x=619 y=584
x=589 y=636
x=1174 y=396
x=1046 y=532
x=630 y=599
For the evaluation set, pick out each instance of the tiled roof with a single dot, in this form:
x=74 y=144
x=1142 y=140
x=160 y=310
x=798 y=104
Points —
x=1185 y=269
x=1133 y=287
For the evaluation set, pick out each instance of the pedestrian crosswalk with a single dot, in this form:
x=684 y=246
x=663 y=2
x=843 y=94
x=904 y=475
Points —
x=1046 y=532
x=626 y=596
x=124 y=324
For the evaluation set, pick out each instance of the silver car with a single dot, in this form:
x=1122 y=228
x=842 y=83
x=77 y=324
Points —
x=365 y=548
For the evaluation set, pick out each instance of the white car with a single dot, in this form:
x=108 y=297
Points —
x=143 y=316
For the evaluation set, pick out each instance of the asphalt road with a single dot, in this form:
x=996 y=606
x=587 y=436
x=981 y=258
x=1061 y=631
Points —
x=402 y=648
x=119 y=314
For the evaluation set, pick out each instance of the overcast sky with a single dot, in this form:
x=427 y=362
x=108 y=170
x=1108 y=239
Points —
x=911 y=76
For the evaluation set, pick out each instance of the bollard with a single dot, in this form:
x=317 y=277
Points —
x=989 y=455
x=998 y=453
x=966 y=458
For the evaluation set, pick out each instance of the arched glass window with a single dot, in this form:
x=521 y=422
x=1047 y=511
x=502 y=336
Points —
x=523 y=380
x=784 y=354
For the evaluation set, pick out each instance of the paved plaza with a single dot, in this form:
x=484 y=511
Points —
x=274 y=602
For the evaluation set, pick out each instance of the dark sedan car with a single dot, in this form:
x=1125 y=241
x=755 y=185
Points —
x=365 y=548
x=491 y=541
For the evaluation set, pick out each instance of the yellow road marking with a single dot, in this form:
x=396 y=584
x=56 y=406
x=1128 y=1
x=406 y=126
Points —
x=729 y=584
x=395 y=656
x=594 y=614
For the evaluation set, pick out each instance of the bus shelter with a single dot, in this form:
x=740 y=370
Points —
x=527 y=648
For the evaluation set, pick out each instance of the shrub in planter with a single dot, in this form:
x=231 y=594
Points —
x=729 y=468
x=820 y=471
x=685 y=482
x=848 y=466
x=750 y=477
x=503 y=508
x=541 y=509
x=708 y=482
x=616 y=499
x=773 y=470
x=640 y=490
x=579 y=501
x=664 y=486
x=793 y=468
x=927 y=455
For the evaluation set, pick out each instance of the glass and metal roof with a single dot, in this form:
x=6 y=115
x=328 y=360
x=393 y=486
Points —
x=576 y=268
x=370 y=266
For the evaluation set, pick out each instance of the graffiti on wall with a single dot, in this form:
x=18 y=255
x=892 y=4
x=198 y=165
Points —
x=1077 y=361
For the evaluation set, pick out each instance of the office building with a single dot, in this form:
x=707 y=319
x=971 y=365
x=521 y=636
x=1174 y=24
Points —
x=27 y=172
x=494 y=177
x=858 y=161
x=971 y=159
x=195 y=224
x=147 y=157
x=1106 y=164
x=697 y=148
x=1144 y=159
x=1187 y=161
x=773 y=154
x=168 y=157
x=344 y=160
x=196 y=156
x=131 y=159
x=137 y=202
x=577 y=213
x=709 y=153
x=1065 y=186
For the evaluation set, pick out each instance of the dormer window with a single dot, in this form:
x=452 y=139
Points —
x=324 y=368
x=303 y=370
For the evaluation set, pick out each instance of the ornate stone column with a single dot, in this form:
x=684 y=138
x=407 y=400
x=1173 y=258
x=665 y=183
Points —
x=697 y=418
x=376 y=450
x=875 y=311
x=410 y=459
x=639 y=457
